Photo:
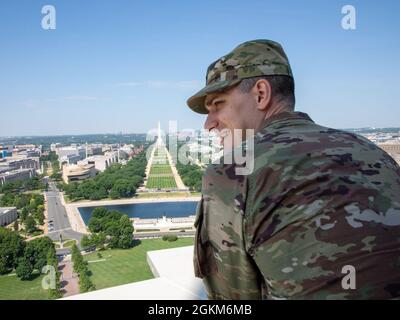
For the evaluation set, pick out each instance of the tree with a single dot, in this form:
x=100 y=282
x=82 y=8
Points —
x=95 y=221
x=16 y=225
x=78 y=263
x=37 y=250
x=81 y=267
x=54 y=293
x=3 y=266
x=7 y=200
x=24 y=214
x=32 y=204
x=11 y=248
x=86 y=242
x=85 y=284
x=110 y=227
x=117 y=181
x=30 y=224
x=122 y=188
x=24 y=269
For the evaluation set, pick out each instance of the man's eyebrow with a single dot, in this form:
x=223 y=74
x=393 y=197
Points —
x=209 y=101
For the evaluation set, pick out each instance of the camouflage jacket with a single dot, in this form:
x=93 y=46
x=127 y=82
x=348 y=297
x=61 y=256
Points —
x=318 y=200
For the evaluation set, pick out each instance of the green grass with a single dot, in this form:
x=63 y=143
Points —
x=160 y=176
x=180 y=229
x=159 y=161
x=13 y=288
x=164 y=195
x=66 y=243
x=160 y=169
x=130 y=265
x=36 y=191
x=155 y=182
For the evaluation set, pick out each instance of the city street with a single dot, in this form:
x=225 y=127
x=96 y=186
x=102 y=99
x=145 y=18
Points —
x=57 y=217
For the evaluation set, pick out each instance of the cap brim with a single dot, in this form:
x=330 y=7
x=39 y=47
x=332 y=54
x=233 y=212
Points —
x=196 y=102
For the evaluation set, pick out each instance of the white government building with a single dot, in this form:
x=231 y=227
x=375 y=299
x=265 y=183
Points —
x=8 y=215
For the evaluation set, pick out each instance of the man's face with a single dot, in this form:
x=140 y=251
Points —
x=228 y=110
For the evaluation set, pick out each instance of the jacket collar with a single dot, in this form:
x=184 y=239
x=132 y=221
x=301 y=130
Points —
x=283 y=116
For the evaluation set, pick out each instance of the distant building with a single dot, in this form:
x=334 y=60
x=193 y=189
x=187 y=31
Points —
x=71 y=154
x=101 y=163
x=125 y=152
x=27 y=150
x=70 y=159
x=77 y=172
x=393 y=149
x=9 y=174
x=22 y=162
x=6 y=151
x=65 y=151
x=94 y=150
x=36 y=152
x=17 y=168
x=4 y=154
x=8 y=215
x=25 y=146
x=55 y=146
x=390 y=148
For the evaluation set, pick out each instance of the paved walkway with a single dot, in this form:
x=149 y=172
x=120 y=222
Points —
x=148 y=167
x=178 y=180
x=74 y=217
x=69 y=280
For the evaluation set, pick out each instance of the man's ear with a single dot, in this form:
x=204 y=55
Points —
x=262 y=94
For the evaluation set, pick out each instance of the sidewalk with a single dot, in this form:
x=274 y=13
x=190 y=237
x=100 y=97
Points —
x=68 y=279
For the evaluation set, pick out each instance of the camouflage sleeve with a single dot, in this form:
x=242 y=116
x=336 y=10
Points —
x=326 y=229
x=220 y=257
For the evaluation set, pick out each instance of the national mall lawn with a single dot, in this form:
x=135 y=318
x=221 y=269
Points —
x=13 y=288
x=121 y=266
x=115 y=267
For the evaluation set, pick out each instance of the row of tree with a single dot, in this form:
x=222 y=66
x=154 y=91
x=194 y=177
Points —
x=18 y=186
x=110 y=229
x=30 y=208
x=28 y=257
x=52 y=158
x=191 y=175
x=80 y=267
x=117 y=181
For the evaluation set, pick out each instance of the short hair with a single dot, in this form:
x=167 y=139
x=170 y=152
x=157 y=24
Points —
x=282 y=88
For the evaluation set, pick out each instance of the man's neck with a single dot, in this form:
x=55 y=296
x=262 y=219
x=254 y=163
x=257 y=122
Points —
x=278 y=108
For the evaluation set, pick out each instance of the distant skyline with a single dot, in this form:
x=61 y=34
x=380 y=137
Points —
x=120 y=66
x=151 y=129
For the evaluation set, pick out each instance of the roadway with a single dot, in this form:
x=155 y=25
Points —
x=58 y=215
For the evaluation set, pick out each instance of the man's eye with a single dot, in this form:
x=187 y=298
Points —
x=218 y=102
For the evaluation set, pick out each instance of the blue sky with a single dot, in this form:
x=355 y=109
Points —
x=119 y=65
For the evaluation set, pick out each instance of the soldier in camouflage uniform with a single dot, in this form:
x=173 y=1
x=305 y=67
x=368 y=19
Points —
x=319 y=200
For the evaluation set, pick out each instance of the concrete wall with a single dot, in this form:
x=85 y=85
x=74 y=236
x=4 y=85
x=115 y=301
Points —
x=7 y=216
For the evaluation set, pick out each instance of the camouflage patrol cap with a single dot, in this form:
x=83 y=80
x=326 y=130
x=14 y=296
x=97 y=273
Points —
x=250 y=59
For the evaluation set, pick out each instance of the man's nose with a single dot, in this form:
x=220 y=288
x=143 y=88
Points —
x=211 y=122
